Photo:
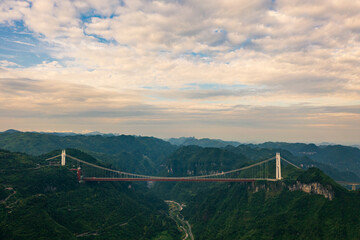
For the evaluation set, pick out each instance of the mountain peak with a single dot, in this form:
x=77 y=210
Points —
x=11 y=131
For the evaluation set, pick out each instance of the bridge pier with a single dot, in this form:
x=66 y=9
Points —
x=63 y=157
x=278 y=166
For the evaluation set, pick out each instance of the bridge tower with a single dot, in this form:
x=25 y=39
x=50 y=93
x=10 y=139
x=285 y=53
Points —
x=278 y=166
x=63 y=157
x=78 y=173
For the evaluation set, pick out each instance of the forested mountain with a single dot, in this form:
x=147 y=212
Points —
x=204 y=142
x=340 y=162
x=47 y=202
x=307 y=204
x=330 y=158
x=305 y=161
x=194 y=160
x=146 y=154
x=276 y=210
x=129 y=153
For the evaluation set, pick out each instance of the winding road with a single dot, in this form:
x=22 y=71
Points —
x=174 y=212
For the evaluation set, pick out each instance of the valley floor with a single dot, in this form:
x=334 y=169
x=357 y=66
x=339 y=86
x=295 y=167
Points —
x=174 y=212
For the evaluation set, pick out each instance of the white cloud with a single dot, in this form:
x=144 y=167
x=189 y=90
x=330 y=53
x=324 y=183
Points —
x=12 y=10
x=295 y=52
x=5 y=63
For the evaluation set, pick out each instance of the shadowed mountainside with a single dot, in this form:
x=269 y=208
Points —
x=44 y=202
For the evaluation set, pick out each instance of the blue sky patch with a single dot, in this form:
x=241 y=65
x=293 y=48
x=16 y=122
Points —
x=18 y=45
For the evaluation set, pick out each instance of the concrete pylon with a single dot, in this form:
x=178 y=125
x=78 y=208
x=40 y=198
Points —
x=63 y=157
x=79 y=174
x=278 y=166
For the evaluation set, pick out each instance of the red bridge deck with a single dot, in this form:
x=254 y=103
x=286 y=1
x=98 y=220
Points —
x=94 y=179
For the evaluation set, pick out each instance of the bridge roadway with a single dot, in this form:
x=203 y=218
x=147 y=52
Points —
x=124 y=176
x=175 y=179
x=218 y=177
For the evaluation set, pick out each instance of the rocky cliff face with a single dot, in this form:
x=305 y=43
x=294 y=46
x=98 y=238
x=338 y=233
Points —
x=313 y=188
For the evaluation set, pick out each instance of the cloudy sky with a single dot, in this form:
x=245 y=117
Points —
x=259 y=70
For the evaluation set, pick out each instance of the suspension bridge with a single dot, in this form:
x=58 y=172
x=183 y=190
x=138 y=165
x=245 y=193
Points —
x=259 y=171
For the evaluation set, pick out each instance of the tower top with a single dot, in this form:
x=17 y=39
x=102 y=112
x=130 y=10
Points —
x=278 y=166
x=63 y=157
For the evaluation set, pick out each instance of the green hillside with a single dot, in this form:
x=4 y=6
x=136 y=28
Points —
x=38 y=201
x=261 y=210
x=42 y=202
x=194 y=160
x=130 y=153
x=145 y=155
x=272 y=211
x=330 y=158
x=290 y=151
x=204 y=142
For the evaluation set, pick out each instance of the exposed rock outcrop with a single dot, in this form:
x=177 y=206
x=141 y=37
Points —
x=314 y=188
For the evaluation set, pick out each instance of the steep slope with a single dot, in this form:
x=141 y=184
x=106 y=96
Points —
x=306 y=205
x=283 y=210
x=44 y=202
x=194 y=160
x=191 y=161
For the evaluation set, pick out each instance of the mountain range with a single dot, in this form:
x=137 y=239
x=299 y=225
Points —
x=40 y=201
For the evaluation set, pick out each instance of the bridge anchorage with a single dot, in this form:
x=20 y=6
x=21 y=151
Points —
x=87 y=171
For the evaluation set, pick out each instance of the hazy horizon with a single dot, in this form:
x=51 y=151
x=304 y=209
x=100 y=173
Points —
x=234 y=70
x=241 y=141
